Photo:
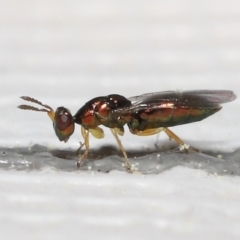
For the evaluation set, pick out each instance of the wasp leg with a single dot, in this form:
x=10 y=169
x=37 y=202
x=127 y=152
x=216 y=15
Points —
x=147 y=132
x=182 y=146
x=127 y=164
x=80 y=148
x=85 y=134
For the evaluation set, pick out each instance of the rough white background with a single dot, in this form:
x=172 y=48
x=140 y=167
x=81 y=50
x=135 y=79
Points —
x=67 y=52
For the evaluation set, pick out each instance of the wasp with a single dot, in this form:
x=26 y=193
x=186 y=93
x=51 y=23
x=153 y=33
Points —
x=144 y=115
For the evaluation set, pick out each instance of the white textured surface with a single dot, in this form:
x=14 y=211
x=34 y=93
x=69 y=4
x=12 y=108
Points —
x=67 y=52
x=180 y=204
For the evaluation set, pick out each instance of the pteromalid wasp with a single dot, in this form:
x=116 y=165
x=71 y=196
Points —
x=144 y=115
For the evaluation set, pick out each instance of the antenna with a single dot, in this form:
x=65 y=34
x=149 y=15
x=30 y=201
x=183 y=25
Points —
x=47 y=109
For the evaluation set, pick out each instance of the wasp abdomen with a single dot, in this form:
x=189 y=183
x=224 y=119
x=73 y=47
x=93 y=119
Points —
x=170 y=117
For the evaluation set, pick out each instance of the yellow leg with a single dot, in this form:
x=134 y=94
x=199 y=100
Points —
x=127 y=164
x=182 y=146
x=85 y=134
x=147 y=132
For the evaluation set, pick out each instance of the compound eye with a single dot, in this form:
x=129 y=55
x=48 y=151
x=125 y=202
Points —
x=63 y=121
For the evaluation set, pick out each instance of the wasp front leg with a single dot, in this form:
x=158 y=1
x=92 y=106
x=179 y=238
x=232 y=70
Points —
x=85 y=134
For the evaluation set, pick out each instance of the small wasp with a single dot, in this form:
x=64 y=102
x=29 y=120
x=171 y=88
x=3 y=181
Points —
x=144 y=115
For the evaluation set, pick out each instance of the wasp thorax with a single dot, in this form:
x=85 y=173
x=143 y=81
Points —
x=117 y=101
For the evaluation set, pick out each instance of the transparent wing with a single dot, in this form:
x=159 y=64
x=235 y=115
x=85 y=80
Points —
x=177 y=99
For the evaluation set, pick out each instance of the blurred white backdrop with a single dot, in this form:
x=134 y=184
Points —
x=65 y=53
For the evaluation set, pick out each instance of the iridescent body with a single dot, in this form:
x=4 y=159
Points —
x=144 y=115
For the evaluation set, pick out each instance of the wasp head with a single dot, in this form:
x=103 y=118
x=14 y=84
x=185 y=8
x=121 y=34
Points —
x=63 y=124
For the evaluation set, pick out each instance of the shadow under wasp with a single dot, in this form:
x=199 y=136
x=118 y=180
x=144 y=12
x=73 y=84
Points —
x=144 y=115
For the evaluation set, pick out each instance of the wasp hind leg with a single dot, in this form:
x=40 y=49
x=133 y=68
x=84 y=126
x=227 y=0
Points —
x=147 y=132
x=151 y=131
x=182 y=146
